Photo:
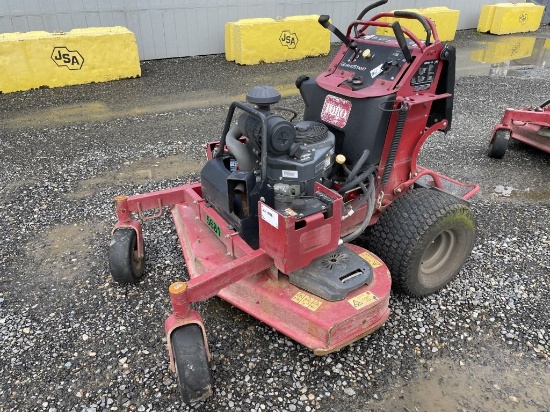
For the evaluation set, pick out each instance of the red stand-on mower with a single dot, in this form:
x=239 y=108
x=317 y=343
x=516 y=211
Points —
x=268 y=227
x=530 y=125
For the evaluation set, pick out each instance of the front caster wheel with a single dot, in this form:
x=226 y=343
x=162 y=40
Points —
x=124 y=263
x=191 y=362
x=499 y=144
x=424 y=237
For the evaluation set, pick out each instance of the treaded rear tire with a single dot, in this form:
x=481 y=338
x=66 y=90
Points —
x=424 y=237
x=191 y=362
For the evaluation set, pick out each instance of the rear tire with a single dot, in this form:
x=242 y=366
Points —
x=499 y=144
x=124 y=263
x=191 y=362
x=424 y=237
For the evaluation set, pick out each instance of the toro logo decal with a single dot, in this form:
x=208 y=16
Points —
x=71 y=59
x=288 y=39
x=336 y=111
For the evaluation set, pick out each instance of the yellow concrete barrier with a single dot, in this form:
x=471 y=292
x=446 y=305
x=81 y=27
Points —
x=506 y=49
x=41 y=59
x=445 y=20
x=253 y=41
x=506 y=18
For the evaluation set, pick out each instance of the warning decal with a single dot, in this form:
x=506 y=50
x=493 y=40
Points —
x=375 y=263
x=307 y=301
x=362 y=300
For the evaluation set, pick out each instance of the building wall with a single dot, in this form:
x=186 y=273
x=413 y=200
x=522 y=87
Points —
x=175 y=28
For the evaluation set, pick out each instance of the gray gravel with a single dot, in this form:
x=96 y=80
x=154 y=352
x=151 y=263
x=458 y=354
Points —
x=73 y=340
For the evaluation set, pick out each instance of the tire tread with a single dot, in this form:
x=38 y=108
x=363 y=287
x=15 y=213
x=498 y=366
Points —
x=394 y=241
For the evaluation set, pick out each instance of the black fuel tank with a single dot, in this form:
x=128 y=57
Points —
x=366 y=126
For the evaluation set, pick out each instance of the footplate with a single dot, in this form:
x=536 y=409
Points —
x=333 y=275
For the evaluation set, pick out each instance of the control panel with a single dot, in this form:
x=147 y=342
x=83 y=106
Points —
x=376 y=58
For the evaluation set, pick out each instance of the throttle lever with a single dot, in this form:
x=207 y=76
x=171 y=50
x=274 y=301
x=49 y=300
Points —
x=324 y=21
x=398 y=31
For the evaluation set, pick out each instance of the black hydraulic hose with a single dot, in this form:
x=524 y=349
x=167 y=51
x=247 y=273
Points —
x=357 y=180
x=370 y=193
x=246 y=160
x=395 y=143
x=286 y=109
x=226 y=126
x=262 y=118
x=358 y=166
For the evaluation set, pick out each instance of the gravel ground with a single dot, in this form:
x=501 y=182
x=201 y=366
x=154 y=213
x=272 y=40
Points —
x=71 y=339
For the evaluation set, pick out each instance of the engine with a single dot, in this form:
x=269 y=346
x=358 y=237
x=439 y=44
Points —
x=296 y=155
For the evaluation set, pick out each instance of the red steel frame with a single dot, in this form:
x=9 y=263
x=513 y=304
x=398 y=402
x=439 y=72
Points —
x=226 y=266
x=524 y=125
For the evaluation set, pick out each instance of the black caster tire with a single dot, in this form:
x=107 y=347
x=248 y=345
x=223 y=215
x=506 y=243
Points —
x=424 y=237
x=191 y=363
x=499 y=144
x=124 y=263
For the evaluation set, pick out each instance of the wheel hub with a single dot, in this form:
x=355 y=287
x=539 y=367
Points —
x=439 y=252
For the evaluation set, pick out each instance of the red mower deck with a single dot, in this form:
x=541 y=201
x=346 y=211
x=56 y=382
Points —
x=318 y=324
x=530 y=125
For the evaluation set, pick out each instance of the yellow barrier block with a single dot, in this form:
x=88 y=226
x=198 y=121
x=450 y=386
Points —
x=511 y=18
x=509 y=48
x=230 y=41
x=486 y=18
x=41 y=59
x=267 y=40
x=445 y=20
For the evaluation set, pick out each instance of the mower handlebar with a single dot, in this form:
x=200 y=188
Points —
x=370 y=7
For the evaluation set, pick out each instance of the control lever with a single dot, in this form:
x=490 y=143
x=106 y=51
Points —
x=324 y=21
x=398 y=31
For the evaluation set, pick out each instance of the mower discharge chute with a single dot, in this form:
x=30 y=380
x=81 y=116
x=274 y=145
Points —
x=268 y=226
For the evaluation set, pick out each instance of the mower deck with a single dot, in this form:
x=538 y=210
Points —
x=529 y=125
x=215 y=251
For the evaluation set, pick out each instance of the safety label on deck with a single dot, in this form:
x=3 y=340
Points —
x=375 y=263
x=362 y=300
x=270 y=216
x=307 y=301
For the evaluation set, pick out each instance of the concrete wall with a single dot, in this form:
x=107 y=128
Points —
x=174 y=28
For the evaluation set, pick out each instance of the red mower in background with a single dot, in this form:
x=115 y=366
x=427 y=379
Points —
x=530 y=125
x=269 y=225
